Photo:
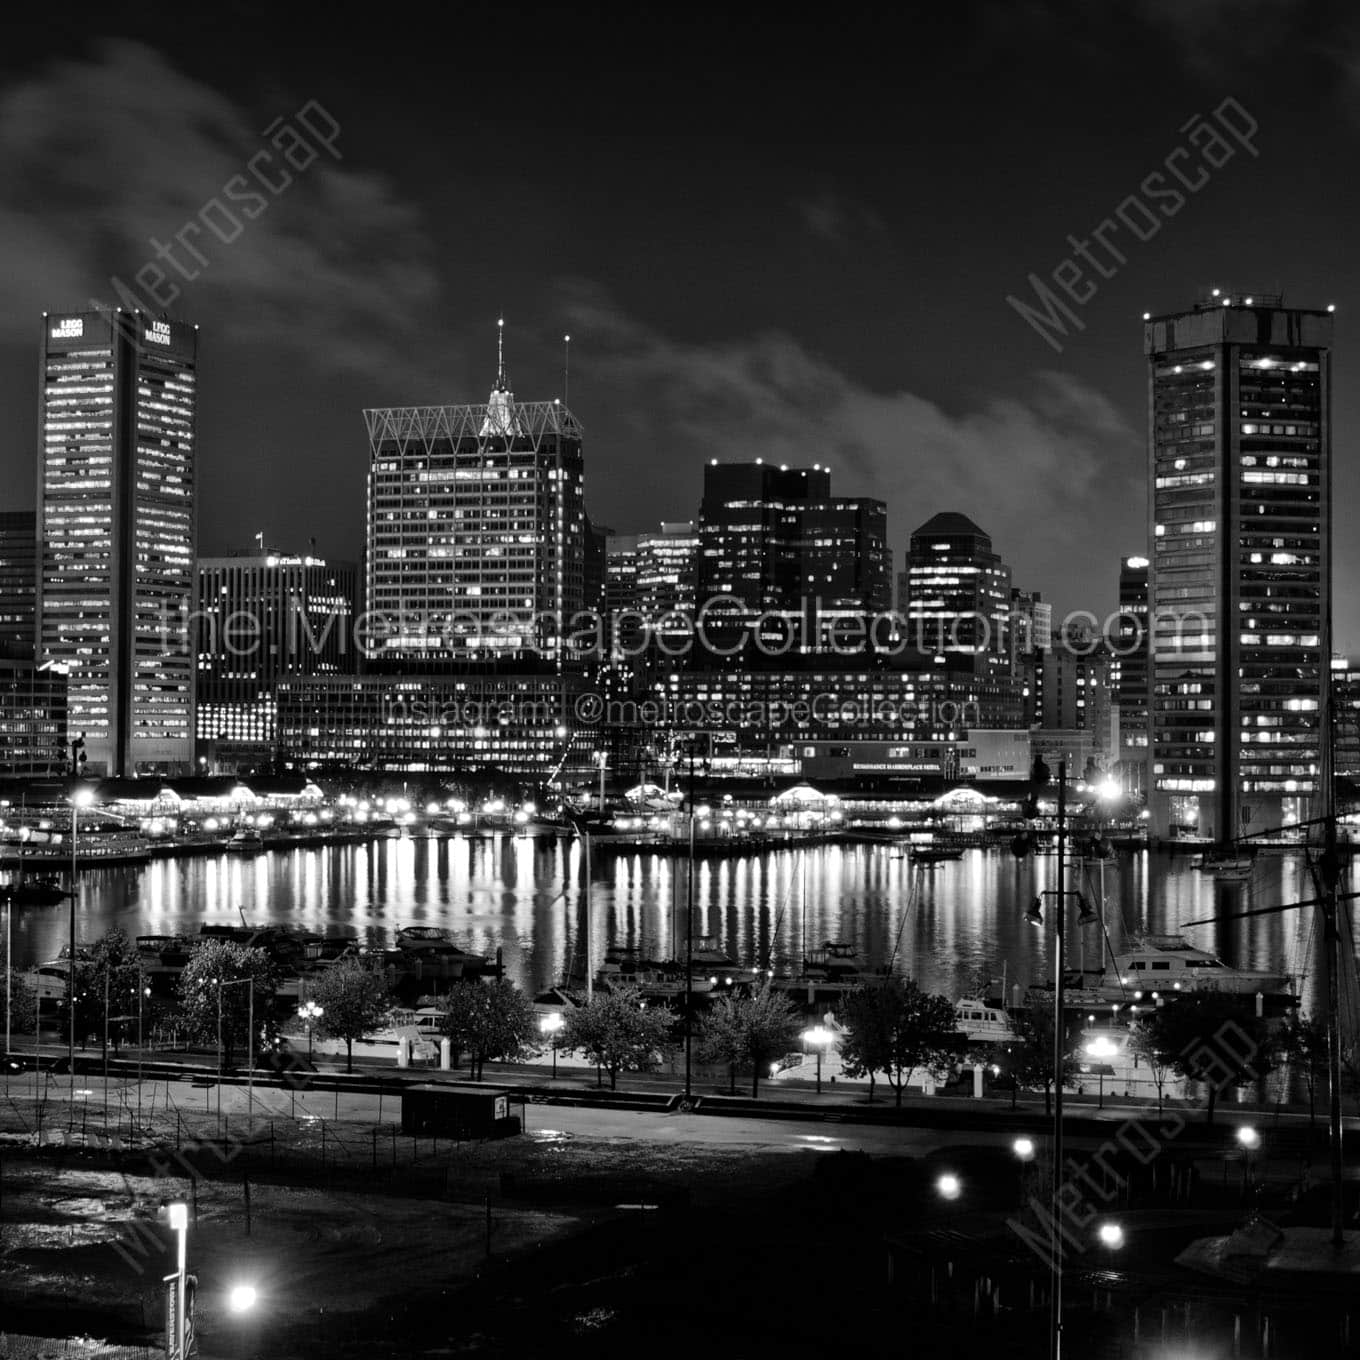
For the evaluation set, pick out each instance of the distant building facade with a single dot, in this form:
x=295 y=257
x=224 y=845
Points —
x=958 y=592
x=32 y=720
x=18 y=584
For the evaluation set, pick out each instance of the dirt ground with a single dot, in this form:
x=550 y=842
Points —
x=84 y=1245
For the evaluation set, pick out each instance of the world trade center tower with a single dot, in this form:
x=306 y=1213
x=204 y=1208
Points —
x=1239 y=464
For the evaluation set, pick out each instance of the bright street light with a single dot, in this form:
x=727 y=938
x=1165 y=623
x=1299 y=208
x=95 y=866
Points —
x=949 y=1186
x=1023 y=1148
x=550 y=1025
x=819 y=1037
x=1101 y=1048
x=242 y=1298
x=1248 y=1137
x=1111 y=1235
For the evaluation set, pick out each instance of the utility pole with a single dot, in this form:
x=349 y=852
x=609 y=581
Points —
x=1055 y=1237
x=689 y=944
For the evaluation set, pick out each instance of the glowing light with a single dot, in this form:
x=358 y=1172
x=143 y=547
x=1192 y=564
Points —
x=949 y=1186
x=1111 y=1235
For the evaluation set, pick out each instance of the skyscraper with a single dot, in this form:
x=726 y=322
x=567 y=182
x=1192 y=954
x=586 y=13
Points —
x=665 y=570
x=958 y=591
x=775 y=544
x=262 y=616
x=1129 y=670
x=476 y=530
x=18 y=583
x=116 y=529
x=1239 y=472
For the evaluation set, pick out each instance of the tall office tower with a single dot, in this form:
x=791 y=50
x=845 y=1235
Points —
x=1128 y=643
x=1239 y=473
x=775 y=544
x=18 y=584
x=476 y=531
x=264 y=616
x=846 y=566
x=1029 y=637
x=958 y=592
x=595 y=565
x=116 y=530
x=1075 y=691
x=665 y=570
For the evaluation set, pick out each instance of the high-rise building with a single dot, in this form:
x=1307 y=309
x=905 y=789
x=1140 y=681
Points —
x=18 y=584
x=595 y=565
x=32 y=719
x=1239 y=471
x=665 y=570
x=958 y=591
x=263 y=616
x=116 y=531
x=476 y=530
x=776 y=547
x=1129 y=671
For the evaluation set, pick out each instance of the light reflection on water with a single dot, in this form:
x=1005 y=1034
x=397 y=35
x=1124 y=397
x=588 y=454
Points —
x=941 y=925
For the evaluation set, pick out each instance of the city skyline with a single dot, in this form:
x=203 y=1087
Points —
x=877 y=330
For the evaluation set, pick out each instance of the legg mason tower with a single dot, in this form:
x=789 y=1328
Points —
x=116 y=533
x=1239 y=531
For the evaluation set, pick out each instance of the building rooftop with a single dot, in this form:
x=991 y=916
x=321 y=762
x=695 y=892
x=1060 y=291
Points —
x=949 y=522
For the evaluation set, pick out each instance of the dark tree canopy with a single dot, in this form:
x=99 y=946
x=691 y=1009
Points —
x=897 y=1029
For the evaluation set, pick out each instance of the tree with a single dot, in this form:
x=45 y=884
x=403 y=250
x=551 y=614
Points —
x=354 y=1000
x=897 y=1029
x=488 y=1020
x=1302 y=1040
x=1213 y=1037
x=212 y=963
x=106 y=983
x=619 y=1032
x=1143 y=1044
x=1031 y=1055
x=747 y=1029
x=20 y=998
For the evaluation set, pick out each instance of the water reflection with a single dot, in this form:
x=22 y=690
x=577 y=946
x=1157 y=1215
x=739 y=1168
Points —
x=942 y=925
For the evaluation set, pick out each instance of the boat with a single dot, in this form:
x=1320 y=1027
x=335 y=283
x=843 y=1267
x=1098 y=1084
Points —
x=828 y=973
x=34 y=892
x=982 y=1023
x=931 y=854
x=1157 y=966
x=435 y=955
x=94 y=847
x=1229 y=867
x=245 y=843
x=422 y=937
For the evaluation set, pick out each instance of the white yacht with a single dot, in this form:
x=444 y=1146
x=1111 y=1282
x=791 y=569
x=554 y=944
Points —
x=1164 y=964
x=981 y=1023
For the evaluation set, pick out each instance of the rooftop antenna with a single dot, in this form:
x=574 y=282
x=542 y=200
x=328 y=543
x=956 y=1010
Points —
x=501 y=384
x=566 y=369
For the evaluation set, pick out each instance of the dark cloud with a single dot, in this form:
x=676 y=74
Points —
x=1055 y=476
x=104 y=158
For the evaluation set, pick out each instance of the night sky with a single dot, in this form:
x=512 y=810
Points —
x=767 y=237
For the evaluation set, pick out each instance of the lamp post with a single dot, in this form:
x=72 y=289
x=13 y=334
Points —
x=550 y=1025
x=819 y=1037
x=79 y=799
x=309 y=1013
x=179 y=1223
x=1103 y=1049
x=1249 y=1140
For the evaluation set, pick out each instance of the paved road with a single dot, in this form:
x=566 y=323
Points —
x=199 y=1100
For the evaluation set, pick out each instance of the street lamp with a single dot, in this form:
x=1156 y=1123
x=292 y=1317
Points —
x=1101 y=1048
x=819 y=1037
x=309 y=1012
x=1111 y=1235
x=948 y=1186
x=550 y=1026
x=179 y=1223
x=1023 y=1148
x=1249 y=1140
x=242 y=1298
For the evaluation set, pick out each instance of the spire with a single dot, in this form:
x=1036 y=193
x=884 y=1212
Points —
x=500 y=407
x=502 y=382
